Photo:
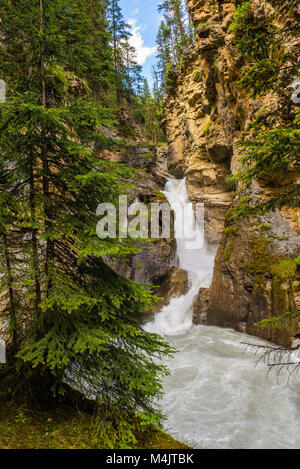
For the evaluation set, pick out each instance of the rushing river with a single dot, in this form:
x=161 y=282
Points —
x=216 y=396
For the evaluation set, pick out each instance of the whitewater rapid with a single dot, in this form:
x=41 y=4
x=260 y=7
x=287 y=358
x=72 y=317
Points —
x=216 y=396
x=198 y=262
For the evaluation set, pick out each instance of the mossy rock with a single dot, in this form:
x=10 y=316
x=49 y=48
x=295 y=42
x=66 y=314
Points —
x=228 y=251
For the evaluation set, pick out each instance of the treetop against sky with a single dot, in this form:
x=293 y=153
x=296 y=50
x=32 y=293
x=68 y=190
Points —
x=144 y=19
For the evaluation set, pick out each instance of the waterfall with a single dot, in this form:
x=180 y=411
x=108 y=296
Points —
x=216 y=396
x=177 y=316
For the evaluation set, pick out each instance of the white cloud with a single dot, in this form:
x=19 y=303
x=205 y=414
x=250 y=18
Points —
x=137 y=42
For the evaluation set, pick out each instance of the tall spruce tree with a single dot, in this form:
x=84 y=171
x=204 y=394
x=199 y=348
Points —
x=132 y=73
x=69 y=315
x=120 y=33
x=152 y=113
x=164 y=47
x=174 y=36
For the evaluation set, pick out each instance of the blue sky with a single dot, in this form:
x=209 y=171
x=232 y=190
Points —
x=144 y=18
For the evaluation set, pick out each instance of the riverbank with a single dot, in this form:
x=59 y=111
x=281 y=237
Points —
x=64 y=428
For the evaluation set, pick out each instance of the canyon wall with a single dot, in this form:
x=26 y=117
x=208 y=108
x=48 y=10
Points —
x=205 y=117
x=156 y=263
x=152 y=264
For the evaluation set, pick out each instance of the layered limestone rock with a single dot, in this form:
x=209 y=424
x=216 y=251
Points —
x=253 y=279
x=205 y=116
x=201 y=307
x=152 y=265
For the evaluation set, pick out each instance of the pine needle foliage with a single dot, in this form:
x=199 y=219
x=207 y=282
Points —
x=251 y=37
x=268 y=65
x=67 y=312
x=269 y=152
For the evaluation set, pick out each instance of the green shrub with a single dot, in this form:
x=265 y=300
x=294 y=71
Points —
x=252 y=37
x=197 y=76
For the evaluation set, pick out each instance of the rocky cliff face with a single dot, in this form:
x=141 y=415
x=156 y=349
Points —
x=156 y=264
x=205 y=116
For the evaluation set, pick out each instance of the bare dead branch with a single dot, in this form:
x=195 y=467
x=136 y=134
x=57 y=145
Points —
x=276 y=358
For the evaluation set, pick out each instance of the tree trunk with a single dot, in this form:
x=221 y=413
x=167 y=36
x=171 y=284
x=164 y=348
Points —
x=34 y=242
x=12 y=305
x=46 y=168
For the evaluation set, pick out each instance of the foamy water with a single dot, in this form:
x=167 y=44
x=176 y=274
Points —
x=216 y=396
x=177 y=316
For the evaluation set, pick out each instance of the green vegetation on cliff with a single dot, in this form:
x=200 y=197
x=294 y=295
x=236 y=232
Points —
x=270 y=144
x=267 y=66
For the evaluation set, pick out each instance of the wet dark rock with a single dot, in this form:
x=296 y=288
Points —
x=201 y=307
x=175 y=285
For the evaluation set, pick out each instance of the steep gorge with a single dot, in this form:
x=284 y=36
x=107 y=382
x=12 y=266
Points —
x=205 y=116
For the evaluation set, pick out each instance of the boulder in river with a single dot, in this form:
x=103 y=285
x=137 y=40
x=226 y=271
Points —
x=201 y=306
x=175 y=285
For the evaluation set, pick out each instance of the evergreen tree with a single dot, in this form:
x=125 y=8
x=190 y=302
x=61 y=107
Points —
x=69 y=315
x=133 y=72
x=174 y=36
x=152 y=104
x=120 y=33
x=164 y=48
x=101 y=76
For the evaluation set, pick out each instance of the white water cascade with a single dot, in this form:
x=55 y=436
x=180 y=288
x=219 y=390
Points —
x=177 y=316
x=216 y=396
